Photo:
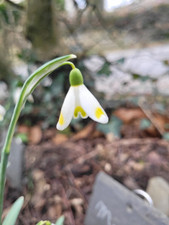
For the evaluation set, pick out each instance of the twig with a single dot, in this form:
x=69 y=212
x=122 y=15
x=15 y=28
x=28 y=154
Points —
x=71 y=176
x=149 y=115
x=20 y=7
x=83 y=158
x=68 y=205
x=104 y=27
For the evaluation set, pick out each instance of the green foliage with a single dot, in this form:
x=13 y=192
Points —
x=114 y=127
x=105 y=69
x=23 y=137
x=12 y=215
x=144 y=124
x=27 y=55
x=8 y=16
x=60 y=221
x=142 y=78
x=48 y=101
x=60 y=4
x=3 y=13
x=121 y=60
x=136 y=76
x=166 y=136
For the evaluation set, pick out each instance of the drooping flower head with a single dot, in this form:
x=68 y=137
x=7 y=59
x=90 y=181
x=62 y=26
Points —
x=79 y=101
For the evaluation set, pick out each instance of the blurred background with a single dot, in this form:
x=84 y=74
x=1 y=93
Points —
x=122 y=49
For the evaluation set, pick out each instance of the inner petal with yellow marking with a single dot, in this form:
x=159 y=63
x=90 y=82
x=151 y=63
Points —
x=80 y=110
x=98 y=112
x=61 y=119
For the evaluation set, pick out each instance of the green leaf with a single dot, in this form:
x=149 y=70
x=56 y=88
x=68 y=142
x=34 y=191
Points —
x=166 y=136
x=43 y=71
x=60 y=221
x=121 y=60
x=136 y=76
x=23 y=137
x=12 y=215
x=114 y=126
x=144 y=124
x=105 y=69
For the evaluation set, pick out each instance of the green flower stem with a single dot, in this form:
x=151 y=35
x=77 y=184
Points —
x=6 y=151
x=69 y=63
x=28 y=87
x=4 y=162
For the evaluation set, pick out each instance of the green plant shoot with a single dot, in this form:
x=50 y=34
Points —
x=28 y=87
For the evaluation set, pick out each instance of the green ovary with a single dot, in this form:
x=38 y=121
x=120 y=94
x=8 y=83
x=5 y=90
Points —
x=80 y=110
x=75 y=77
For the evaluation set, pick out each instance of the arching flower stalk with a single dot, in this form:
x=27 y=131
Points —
x=30 y=84
x=79 y=101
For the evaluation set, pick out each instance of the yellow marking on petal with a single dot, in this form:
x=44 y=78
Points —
x=61 y=119
x=81 y=110
x=99 y=112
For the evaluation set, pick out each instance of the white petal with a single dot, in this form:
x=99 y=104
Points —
x=91 y=106
x=2 y=112
x=78 y=111
x=67 y=110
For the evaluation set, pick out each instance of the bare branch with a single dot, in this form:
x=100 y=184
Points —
x=20 y=7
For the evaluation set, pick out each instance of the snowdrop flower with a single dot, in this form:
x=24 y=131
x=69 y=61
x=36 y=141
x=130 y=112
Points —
x=2 y=112
x=17 y=93
x=79 y=101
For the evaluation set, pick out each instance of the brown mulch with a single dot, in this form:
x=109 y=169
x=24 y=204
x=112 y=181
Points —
x=60 y=170
x=59 y=178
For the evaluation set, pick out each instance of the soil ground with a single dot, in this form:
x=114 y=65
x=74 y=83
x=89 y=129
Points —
x=60 y=171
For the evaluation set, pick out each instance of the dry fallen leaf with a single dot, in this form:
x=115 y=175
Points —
x=128 y=115
x=85 y=132
x=154 y=158
x=77 y=204
x=38 y=200
x=55 y=210
x=23 y=129
x=160 y=121
x=35 y=134
x=59 y=139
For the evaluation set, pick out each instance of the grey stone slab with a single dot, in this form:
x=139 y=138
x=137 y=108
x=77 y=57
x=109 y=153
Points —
x=113 y=204
x=158 y=189
x=15 y=163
